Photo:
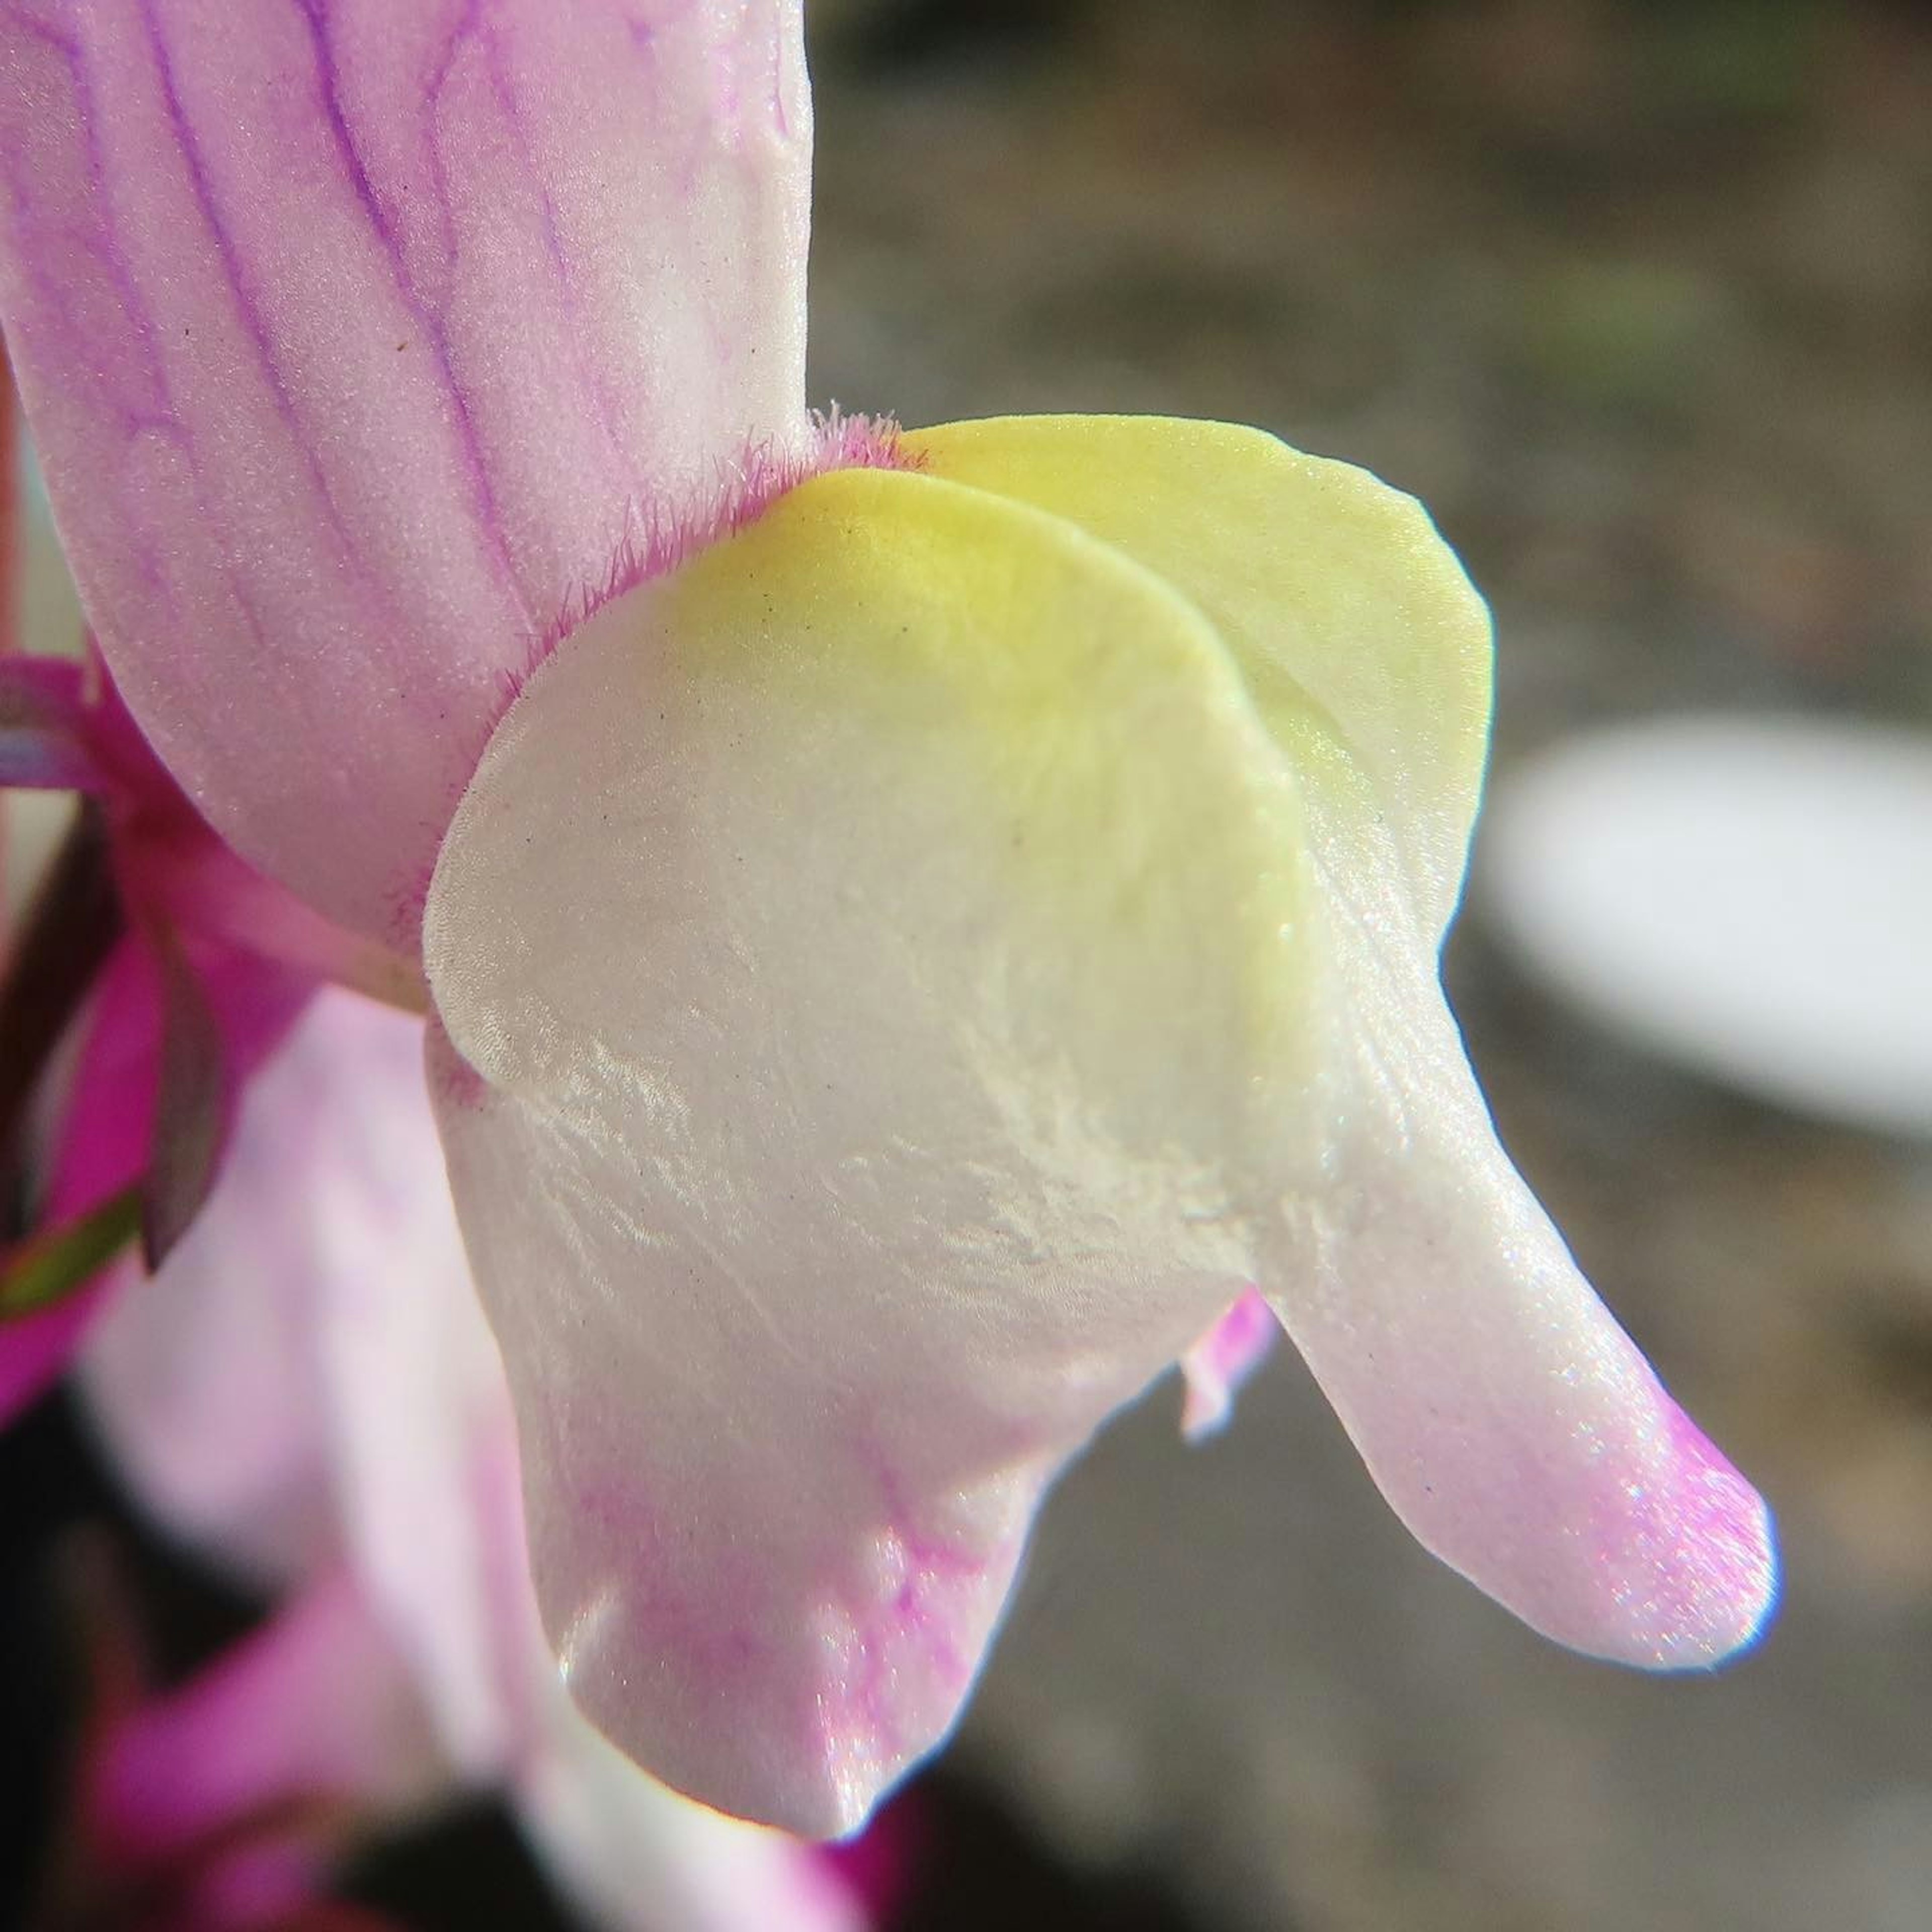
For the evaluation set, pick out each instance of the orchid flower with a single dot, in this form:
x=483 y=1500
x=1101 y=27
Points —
x=921 y=928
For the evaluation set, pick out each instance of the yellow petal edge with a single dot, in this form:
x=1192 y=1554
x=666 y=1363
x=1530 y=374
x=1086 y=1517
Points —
x=1351 y=621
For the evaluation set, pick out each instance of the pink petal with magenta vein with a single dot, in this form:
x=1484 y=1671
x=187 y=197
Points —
x=357 y=336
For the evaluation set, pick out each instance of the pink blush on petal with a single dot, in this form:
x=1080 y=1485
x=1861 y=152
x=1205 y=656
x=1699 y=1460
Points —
x=315 y=1703
x=1218 y=1364
x=1725 y=1597
x=913 y=1634
x=846 y=1659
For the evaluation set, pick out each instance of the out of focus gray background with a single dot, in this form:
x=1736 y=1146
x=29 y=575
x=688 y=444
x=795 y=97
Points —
x=1638 y=298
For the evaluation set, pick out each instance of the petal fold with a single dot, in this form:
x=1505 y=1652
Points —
x=1352 y=622
x=358 y=337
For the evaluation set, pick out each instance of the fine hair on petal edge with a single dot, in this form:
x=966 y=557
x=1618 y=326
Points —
x=657 y=541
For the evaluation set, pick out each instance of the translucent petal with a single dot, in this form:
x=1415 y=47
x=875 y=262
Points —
x=642 y=1859
x=311 y=1707
x=357 y=337
x=1510 y=1421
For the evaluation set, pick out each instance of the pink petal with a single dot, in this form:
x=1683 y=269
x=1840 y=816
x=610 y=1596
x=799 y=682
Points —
x=233 y=1385
x=1217 y=1365
x=200 y=1378
x=421 y=1440
x=357 y=339
x=313 y=1705
x=103 y=1144
x=35 y=1349
x=101 y=1150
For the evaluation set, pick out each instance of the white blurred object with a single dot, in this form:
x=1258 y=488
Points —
x=1751 y=898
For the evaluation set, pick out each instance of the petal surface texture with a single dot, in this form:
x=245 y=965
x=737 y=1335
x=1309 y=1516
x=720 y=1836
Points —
x=357 y=337
x=900 y=985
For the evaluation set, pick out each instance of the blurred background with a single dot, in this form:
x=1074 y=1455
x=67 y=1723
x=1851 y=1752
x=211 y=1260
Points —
x=1638 y=298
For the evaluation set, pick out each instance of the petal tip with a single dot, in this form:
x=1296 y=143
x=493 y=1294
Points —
x=1693 y=1570
x=1728 y=1561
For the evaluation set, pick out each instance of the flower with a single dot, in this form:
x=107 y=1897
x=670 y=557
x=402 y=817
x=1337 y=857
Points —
x=919 y=928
